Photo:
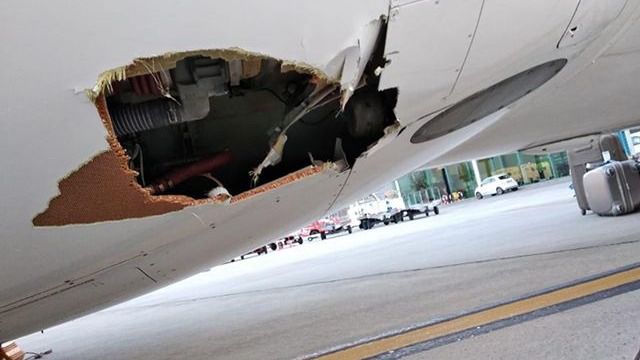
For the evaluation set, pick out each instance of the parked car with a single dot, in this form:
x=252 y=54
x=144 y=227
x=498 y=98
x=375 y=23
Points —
x=496 y=185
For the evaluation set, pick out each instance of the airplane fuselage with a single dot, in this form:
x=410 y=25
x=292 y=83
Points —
x=538 y=71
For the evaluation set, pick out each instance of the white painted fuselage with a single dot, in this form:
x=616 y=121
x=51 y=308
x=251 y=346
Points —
x=439 y=53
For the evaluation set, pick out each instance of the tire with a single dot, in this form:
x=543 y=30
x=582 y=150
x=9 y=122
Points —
x=426 y=212
x=478 y=196
x=323 y=236
x=411 y=216
x=273 y=246
x=314 y=232
x=349 y=229
x=436 y=210
x=299 y=240
x=515 y=189
x=365 y=225
x=499 y=191
x=583 y=212
x=385 y=222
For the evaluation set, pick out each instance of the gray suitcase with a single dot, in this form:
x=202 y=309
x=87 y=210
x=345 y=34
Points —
x=614 y=188
x=592 y=154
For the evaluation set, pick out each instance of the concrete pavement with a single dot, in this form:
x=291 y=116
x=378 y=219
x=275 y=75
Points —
x=323 y=295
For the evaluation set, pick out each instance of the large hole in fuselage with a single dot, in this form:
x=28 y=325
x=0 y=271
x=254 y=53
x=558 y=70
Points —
x=206 y=122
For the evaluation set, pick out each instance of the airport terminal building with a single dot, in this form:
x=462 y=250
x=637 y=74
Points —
x=426 y=184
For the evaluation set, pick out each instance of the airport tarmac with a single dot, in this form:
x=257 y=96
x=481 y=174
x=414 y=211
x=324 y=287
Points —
x=522 y=275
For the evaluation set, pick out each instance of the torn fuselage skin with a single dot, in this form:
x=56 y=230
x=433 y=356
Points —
x=216 y=124
x=214 y=118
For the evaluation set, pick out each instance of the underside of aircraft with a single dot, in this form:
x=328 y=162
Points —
x=143 y=144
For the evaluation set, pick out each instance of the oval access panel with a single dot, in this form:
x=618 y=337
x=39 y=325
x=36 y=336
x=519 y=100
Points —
x=488 y=101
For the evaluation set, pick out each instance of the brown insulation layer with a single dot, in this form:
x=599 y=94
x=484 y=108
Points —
x=105 y=189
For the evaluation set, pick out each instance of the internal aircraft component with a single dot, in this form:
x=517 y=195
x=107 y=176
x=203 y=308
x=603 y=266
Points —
x=133 y=118
x=365 y=115
x=181 y=174
x=181 y=123
x=488 y=101
x=196 y=79
x=275 y=153
x=151 y=84
x=357 y=58
x=274 y=156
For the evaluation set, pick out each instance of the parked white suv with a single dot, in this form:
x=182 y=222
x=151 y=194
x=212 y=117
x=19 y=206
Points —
x=496 y=185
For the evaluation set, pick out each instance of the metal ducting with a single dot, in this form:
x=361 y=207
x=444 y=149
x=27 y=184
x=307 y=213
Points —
x=133 y=118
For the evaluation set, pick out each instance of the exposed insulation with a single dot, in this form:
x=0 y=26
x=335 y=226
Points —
x=251 y=68
x=101 y=190
x=146 y=65
x=105 y=188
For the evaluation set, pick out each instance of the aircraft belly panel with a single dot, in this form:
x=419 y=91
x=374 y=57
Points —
x=590 y=19
x=440 y=52
x=594 y=93
x=187 y=242
x=51 y=128
x=513 y=36
x=70 y=301
x=426 y=45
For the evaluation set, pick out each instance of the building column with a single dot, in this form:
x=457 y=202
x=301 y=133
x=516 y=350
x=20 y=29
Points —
x=497 y=164
x=476 y=172
x=553 y=167
x=522 y=174
x=445 y=176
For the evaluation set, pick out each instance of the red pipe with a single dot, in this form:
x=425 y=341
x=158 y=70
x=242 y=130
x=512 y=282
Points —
x=155 y=81
x=135 y=84
x=144 y=85
x=181 y=174
x=148 y=84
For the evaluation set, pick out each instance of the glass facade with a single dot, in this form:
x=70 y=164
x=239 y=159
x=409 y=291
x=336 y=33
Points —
x=526 y=169
x=461 y=178
x=560 y=163
x=424 y=185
